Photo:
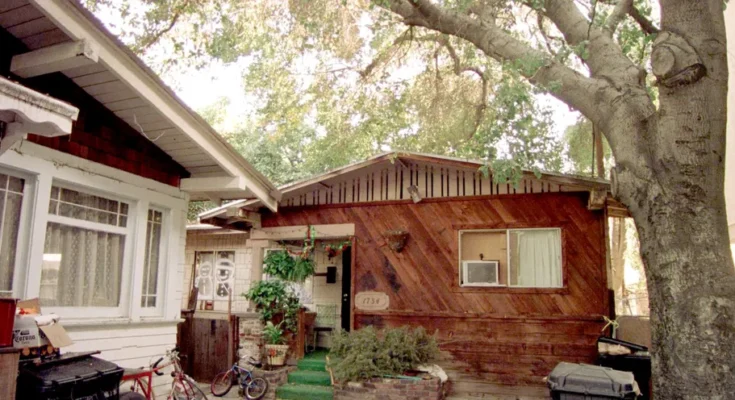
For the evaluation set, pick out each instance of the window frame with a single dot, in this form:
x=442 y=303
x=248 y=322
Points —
x=20 y=273
x=162 y=263
x=507 y=287
x=123 y=308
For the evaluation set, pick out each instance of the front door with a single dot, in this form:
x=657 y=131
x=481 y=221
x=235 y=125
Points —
x=346 y=286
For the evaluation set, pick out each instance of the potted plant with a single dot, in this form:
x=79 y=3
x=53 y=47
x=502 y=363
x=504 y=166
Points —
x=275 y=301
x=275 y=348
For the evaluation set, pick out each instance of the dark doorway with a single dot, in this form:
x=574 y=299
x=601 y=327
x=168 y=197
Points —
x=346 y=286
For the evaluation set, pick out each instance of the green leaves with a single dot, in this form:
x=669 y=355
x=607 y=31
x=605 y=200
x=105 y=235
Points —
x=282 y=265
x=274 y=300
x=273 y=334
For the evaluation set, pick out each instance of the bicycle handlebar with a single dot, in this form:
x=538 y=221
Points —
x=156 y=365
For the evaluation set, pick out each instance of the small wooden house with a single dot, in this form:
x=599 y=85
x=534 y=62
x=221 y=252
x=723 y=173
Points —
x=512 y=278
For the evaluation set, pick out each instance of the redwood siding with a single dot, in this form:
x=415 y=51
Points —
x=98 y=135
x=505 y=335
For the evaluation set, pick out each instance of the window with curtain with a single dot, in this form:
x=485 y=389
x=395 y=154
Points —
x=84 y=250
x=523 y=257
x=535 y=258
x=152 y=259
x=11 y=202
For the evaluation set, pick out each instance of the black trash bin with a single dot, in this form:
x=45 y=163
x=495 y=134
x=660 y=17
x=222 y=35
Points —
x=73 y=378
x=590 y=382
x=638 y=362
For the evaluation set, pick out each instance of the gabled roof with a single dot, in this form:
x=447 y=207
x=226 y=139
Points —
x=127 y=87
x=407 y=160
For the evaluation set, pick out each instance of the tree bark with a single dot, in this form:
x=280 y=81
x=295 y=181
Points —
x=679 y=210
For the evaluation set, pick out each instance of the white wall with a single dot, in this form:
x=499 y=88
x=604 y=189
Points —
x=323 y=292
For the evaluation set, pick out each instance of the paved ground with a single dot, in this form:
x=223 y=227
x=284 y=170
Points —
x=233 y=394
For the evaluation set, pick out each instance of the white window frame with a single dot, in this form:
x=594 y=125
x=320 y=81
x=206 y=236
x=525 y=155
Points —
x=162 y=263
x=507 y=232
x=43 y=167
x=20 y=274
x=122 y=310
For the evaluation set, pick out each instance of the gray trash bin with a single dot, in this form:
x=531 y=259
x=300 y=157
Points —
x=590 y=382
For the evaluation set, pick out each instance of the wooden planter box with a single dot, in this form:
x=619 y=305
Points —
x=384 y=388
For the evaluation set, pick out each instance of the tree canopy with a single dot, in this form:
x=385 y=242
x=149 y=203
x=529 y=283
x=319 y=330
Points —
x=340 y=81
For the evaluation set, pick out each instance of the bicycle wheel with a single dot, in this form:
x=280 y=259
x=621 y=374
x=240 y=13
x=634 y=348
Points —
x=222 y=383
x=184 y=389
x=256 y=389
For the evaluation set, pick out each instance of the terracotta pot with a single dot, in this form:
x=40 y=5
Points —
x=276 y=354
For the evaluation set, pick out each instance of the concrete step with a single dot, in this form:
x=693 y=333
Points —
x=294 y=391
x=319 y=378
x=312 y=364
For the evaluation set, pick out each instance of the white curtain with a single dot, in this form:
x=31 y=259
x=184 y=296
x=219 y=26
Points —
x=539 y=258
x=81 y=267
x=11 y=200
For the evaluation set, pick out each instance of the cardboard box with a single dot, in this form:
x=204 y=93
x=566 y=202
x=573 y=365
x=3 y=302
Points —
x=27 y=333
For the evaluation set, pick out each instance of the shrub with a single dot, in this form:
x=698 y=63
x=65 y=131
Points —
x=367 y=353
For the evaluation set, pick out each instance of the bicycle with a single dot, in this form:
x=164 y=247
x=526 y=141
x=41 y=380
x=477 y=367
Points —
x=182 y=387
x=253 y=388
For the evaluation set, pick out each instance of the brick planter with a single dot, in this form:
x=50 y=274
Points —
x=390 y=389
x=275 y=379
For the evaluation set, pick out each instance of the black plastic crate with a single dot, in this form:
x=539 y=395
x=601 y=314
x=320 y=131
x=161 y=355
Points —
x=638 y=362
x=87 y=378
x=590 y=382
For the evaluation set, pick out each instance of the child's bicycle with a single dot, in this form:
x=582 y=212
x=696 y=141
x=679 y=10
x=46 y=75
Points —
x=253 y=388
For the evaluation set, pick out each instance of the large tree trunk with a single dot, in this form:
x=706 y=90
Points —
x=679 y=210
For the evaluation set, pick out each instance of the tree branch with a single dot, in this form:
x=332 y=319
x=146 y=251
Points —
x=607 y=59
x=646 y=25
x=384 y=55
x=155 y=38
x=618 y=14
x=614 y=97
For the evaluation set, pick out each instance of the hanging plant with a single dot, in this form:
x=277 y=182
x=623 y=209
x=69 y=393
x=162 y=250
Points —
x=280 y=264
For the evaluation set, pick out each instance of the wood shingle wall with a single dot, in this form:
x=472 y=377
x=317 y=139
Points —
x=497 y=335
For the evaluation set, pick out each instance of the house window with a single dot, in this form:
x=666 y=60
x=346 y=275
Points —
x=215 y=277
x=512 y=257
x=84 y=250
x=11 y=201
x=152 y=259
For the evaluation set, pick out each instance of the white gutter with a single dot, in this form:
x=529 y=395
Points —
x=26 y=111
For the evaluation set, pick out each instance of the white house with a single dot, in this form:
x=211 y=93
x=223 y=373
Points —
x=98 y=160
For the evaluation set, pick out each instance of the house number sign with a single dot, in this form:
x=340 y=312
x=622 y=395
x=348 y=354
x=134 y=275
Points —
x=372 y=301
